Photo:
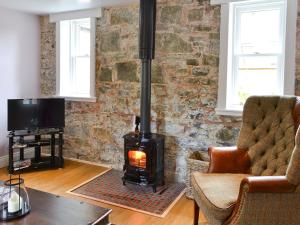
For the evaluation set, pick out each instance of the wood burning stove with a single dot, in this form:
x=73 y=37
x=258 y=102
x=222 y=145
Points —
x=144 y=160
x=144 y=151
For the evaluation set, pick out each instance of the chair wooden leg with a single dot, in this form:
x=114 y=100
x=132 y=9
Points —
x=196 y=213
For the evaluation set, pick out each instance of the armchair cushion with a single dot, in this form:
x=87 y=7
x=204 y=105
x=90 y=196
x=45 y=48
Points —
x=216 y=194
x=228 y=160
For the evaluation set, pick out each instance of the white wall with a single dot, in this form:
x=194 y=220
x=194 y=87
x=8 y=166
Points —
x=19 y=62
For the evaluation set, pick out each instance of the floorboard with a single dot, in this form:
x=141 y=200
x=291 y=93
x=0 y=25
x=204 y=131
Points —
x=60 y=180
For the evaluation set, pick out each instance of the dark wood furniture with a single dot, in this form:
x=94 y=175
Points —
x=48 y=209
x=20 y=140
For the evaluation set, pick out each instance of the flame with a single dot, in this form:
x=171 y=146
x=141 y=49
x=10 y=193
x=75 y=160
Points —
x=137 y=158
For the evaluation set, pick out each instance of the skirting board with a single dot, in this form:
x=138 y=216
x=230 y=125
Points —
x=85 y=161
x=28 y=153
x=91 y=163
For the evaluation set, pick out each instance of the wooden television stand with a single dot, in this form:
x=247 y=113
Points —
x=21 y=140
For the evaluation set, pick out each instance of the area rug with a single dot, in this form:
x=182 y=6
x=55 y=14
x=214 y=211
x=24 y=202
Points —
x=108 y=188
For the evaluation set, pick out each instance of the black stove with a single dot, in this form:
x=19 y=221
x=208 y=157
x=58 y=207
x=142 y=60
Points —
x=144 y=160
x=143 y=150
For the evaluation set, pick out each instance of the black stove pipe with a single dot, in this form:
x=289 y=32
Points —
x=146 y=54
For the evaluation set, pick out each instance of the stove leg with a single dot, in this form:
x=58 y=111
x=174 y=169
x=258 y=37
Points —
x=154 y=188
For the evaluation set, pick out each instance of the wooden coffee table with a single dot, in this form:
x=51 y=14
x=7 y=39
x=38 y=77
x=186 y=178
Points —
x=48 y=209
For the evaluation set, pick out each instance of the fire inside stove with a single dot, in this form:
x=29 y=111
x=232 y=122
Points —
x=137 y=158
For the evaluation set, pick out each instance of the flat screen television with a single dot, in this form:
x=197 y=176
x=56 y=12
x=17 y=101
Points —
x=33 y=114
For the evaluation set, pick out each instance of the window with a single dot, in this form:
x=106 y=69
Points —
x=257 y=51
x=75 y=53
x=75 y=58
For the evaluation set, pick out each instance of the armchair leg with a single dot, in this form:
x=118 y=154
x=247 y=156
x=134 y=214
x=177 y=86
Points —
x=196 y=213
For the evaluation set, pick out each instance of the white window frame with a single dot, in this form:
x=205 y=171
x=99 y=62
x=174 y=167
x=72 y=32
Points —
x=56 y=18
x=226 y=50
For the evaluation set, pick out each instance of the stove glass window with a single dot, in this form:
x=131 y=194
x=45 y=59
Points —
x=137 y=158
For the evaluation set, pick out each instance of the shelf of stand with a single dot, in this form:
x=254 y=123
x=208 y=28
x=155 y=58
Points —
x=33 y=143
x=37 y=132
x=21 y=164
x=45 y=162
x=21 y=140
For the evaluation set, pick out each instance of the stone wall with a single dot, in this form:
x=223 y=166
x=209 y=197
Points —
x=184 y=90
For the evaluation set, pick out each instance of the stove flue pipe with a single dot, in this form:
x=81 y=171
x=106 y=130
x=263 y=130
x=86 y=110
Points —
x=146 y=54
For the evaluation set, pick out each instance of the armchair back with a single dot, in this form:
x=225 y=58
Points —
x=268 y=133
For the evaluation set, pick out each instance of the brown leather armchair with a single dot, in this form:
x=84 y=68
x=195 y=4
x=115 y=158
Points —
x=257 y=182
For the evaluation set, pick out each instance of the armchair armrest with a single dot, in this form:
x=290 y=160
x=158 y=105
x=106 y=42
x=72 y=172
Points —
x=268 y=184
x=228 y=160
x=259 y=195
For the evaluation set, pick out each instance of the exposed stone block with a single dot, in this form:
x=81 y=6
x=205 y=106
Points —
x=192 y=62
x=171 y=14
x=110 y=42
x=227 y=134
x=200 y=71
x=127 y=71
x=123 y=15
x=195 y=15
x=203 y=28
x=215 y=36
x=203 y=2
x=105 y=74
x=172 y=43
x=210 y=60
x=157 y=75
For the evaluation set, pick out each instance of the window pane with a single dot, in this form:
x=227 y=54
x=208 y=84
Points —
x=82 y=76
x=260 y=31
x=65 y=58
x=81 y=59
x=82 y=37
x=256 y=75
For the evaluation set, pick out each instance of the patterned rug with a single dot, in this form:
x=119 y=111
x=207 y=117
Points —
x=108 y=188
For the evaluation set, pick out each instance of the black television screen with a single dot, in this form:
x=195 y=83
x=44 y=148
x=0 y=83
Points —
x=32 y=114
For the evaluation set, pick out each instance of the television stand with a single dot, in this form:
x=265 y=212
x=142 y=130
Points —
x=21 y=140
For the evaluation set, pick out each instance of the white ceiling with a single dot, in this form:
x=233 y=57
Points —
x=53 y=6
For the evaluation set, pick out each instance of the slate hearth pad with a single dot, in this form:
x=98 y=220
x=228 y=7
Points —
x=108 y=188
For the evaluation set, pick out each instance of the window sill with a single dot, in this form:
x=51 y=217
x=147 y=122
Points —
x=79 y=99
x=229 y=112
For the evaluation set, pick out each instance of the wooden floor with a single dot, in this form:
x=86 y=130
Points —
x=60 y=180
